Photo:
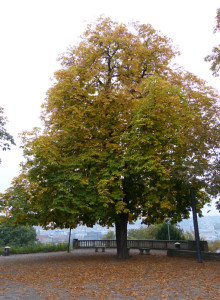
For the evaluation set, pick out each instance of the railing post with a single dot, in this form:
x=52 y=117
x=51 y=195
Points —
x=75 y=243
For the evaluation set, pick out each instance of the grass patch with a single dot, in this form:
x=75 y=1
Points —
x=50 y=247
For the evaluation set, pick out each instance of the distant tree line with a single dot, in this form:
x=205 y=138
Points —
x=154 y=232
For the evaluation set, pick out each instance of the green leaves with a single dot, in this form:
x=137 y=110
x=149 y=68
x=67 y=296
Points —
x=124 y=134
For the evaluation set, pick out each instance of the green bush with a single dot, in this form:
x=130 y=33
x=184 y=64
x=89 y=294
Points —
x=16 y=235
x=36 y=248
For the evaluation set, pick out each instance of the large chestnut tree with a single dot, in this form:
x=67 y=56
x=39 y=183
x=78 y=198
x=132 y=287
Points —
x=125 y=136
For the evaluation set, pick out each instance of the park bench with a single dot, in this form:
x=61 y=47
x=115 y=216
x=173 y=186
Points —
x=144 y=250
x=100 y=247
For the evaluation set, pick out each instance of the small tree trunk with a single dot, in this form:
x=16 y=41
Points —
x=121 y=236
x=68 y=248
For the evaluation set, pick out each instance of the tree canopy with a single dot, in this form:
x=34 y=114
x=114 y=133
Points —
x=125 y=136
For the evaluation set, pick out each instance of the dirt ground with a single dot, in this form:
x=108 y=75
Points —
x=86 y=274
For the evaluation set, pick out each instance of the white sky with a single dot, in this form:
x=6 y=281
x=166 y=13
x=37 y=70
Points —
x=34 y=32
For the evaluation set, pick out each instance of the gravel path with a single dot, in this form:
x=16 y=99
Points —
x=85 y=274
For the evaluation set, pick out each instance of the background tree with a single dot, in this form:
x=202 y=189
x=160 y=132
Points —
x=126 y=135
x=189 y=235
x=214 y=246
x=11 y=235
x=214 y=58
x=175 y=232
x=5 y=138
x=158 y=231
x=109 y=236
x=143 y=233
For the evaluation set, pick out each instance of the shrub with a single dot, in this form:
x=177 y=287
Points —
x=214 y=246
x=16 y=235
x=36 y=248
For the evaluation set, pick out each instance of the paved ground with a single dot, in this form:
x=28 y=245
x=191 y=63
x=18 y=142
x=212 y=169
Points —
x=84 y=274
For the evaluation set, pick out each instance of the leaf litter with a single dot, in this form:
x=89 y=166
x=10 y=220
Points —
x=84 y=274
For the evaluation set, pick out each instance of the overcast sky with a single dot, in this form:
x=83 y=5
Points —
x=35 y=32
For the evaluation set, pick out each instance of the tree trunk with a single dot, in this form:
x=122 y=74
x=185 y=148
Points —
x=121 y=235
x=68 y=247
